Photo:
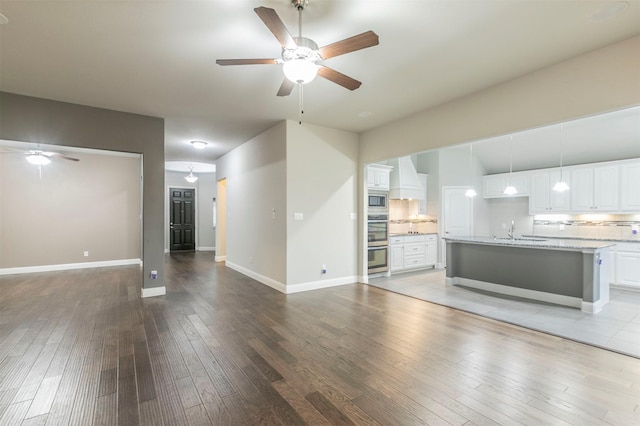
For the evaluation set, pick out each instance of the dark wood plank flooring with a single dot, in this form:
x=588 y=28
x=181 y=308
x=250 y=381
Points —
x=81 y=347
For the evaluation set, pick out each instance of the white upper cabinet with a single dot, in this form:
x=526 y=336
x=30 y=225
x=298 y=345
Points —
x=630 y=190
x=543 y=199
x=378 y=177
x=494 y=185
x=594 y=189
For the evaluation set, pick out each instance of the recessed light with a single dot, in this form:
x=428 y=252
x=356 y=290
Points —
x=365 y=114
x=199 y=144
x=609 y=11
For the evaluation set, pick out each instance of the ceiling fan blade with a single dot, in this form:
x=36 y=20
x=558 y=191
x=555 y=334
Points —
x=351 y=44
x=246 y=61
x=286 y=87
x=276 y=26
x=339 y=78
x=56 y=155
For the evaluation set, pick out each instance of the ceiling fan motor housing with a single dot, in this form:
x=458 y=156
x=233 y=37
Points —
x=299 y=4
x=306 y=49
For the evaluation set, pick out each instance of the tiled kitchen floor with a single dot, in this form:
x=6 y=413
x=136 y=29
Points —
x=615 y=327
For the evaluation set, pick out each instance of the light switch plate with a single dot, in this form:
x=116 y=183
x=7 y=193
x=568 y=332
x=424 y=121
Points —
x=298 y=216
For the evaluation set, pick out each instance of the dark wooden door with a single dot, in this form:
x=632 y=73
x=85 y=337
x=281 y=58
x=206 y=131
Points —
x=182 y=224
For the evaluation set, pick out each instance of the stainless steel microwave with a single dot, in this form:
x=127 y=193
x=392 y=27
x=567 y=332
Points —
x=378 y=201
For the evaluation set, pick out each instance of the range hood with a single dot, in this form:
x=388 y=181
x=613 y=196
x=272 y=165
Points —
x=404 y=182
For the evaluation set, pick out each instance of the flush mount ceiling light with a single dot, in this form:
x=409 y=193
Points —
x=510 y=189
x=609 y=11
x=561 y=185
x=199 y=144
x=190 y=177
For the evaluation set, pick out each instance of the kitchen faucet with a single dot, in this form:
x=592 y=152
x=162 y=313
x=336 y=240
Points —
x=512 y=230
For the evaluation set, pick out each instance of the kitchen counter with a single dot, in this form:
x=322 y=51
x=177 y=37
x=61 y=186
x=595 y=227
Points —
x=412 y=233
x=566 y=272
x=614 y=240
x=537 y=242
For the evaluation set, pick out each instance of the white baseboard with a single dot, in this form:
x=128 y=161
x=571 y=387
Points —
x=220 y=258
x=625 y=287
x=205 y=249
x=592 y=308
x=293 y=288
x=558 y=299
x=282 y=288
x=315 y=285
x=153 y=291
x=68 y=266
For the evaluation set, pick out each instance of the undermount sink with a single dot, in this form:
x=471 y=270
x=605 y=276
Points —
x=521 y=239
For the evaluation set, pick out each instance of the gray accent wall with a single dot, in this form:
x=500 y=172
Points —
x=35 y=120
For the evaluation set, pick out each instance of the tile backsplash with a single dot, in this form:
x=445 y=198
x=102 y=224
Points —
x=625 y=227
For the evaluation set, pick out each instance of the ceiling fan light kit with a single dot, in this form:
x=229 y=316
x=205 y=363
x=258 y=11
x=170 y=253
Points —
x=38 y=159
x=301 y=56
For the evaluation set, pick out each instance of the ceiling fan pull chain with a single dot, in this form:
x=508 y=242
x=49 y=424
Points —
x=300 y=100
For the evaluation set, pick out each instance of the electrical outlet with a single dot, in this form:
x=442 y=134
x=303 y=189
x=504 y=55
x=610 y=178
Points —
x=324 y=269
x=154 y=275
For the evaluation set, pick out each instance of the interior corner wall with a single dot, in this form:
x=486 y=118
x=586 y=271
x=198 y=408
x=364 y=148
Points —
x=603 y=80
x=206 y=189
x=35 y=120
x=322 y=185
x=256 y=182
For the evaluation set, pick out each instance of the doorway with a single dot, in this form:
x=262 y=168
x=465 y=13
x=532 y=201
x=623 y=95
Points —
x=221 y=222
x=182 y=224
x=457 y=216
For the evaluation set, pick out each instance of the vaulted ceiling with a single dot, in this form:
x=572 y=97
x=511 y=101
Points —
x=158 y=58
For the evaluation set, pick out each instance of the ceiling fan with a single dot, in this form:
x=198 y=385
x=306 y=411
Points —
x=37 y=157
x=301 y=56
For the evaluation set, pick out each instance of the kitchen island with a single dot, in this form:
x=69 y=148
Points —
x=565 y=272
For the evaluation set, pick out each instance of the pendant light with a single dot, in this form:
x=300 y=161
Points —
x=561 y=185
x=510 y=189
x=470 y=192
x=190 y=177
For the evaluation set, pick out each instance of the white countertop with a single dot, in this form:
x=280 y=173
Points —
x=535 y=242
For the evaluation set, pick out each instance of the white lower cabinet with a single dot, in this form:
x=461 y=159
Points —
x=397 y=257
x=627 y=264
x=411 y=252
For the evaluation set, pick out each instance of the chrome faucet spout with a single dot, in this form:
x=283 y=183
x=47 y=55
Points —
x=512 y=230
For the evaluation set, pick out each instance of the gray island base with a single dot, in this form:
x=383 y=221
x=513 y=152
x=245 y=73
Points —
x=563 y=272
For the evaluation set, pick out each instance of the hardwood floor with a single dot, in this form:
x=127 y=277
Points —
x=80 y=347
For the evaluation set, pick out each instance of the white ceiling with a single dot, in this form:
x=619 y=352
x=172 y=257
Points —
x=605 y=137
x=158 y=58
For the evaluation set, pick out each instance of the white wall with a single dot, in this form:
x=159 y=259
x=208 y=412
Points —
x=206 y=190
x=503 y=210
x=322 y=166
x=603 y=80
x=256 y=183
